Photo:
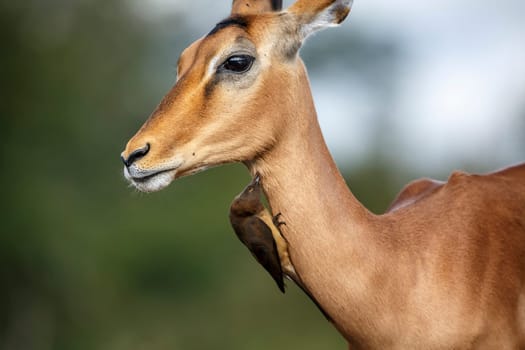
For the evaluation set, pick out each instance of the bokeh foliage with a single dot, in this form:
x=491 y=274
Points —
x=87 y=262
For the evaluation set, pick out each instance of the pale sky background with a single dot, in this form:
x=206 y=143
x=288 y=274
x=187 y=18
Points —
x=459 y=94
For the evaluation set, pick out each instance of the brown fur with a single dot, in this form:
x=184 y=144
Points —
x=443 y=269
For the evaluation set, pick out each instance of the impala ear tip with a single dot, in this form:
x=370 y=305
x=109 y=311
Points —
x=277 y=5
x=342 y=8
x=350 y=3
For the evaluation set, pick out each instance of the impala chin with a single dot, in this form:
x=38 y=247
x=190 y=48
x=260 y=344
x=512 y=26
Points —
x=153 y=183
x=150 y=180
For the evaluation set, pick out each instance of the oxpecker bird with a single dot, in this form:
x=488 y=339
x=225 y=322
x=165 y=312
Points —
x=253 y=224
x=259 y=231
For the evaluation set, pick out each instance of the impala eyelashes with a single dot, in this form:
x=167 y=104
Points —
x=237 y=64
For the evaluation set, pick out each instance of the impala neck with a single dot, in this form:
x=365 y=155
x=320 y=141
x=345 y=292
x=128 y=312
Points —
x=329 y=232
x=302 y=181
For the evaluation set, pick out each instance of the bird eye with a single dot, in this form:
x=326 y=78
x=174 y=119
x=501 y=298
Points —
x=237 y=64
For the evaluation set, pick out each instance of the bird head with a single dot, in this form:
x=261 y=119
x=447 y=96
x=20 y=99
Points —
x=248 y=202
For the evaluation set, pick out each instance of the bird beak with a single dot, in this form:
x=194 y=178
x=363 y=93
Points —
x=257 y=178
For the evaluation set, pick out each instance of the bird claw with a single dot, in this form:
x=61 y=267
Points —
x=276 y=221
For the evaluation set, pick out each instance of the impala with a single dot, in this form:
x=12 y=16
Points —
x=444 y=268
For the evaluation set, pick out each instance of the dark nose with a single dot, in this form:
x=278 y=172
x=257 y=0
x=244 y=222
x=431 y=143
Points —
x=135 y=155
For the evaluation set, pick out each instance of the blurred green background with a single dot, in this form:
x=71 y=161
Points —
x=86 y=262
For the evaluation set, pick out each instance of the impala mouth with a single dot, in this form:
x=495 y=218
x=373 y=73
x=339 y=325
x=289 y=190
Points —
x=148 y=177
x=156 y=180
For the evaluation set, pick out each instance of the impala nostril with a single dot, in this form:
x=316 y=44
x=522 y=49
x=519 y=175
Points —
x=135 y=155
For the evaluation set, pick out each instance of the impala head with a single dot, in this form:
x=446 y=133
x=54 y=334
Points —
x=233 y=90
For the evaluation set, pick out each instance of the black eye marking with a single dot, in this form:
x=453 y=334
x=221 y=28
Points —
x=237 y=64
x=237 y=21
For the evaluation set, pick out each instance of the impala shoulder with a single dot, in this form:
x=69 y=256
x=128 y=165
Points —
x=413 y=192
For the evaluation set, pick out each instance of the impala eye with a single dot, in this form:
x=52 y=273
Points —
x=237 y=64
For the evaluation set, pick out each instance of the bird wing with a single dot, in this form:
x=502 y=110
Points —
x=262 y=246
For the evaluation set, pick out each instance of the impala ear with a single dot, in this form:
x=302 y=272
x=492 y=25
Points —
x=253 y=7
x=314 y=15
